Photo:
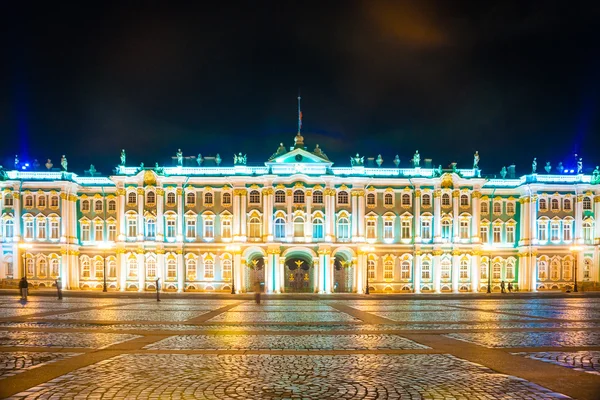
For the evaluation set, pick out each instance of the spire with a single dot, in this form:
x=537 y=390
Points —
x=299 y=140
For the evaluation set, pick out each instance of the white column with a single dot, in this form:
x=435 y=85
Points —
x=16 y=251
x=361 y=215
x=141 y=272
x=361 y=270
x=122 y=269
x=140 y=211
x=160 y=209
x=237 y=272
x=269 y=283
x=121 y=213
x=597 y=218
x=17 y=216
x=455 y=216
x=64 y=269
x=417 y=204
x=475 y=262
x=329 y=216
x=281 y=272
x=437 y=216
x=243 y=216
x=180 y=201
x=74 y=273
x=308 y=222
x=417 y=272
x=524 y=222
x=160 y=267
x=533 y=272
x=317 y=277
x=524 y=274
x=330 y=277
x=455 y=271
x=268 y=215
x=532 y=216
x=289 y=226
x=578 y=219
x=354 y=216
x=437 y=271
x=180 y=272
x=476 y=212
x=236 y=214
x=270 y=205
x=324 y=280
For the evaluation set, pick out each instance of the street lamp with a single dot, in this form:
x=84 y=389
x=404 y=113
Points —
x=25 y=246
x=367 y=249
x=235 y=249
x=105 y=246
x=489 y=249
x=576 y=250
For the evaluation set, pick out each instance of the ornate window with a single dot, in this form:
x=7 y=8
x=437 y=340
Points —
x=98 y=231
x=85 y=231
x=85 y=268
x=497 y=207
x=208 y=199
x=42 y=267
x=254 y=197
x=406 y=229
x=445 y=200
x=132 y=267
x=426 y=270
x=85 y=205
x=190 y=227
x=567 y=269
x=426 y=229
x=150 y=198
x=497 y=233
x=298 y=227
x=98 y=206
x=317 y=228
x=388 y=229
x=209 y=269
x=171 y=268
x=151 y=268
x=554 y=205
x=280 y=196
x=54 y=202
x=171 y=227
x=464 y=229
x=227 y=268
x=483 y=269
x=464 y=200
x=279 y=228
x=543 y=205
x=54 y=266
x=112 y=232
x=342 y=197
x=317 y=197
x=542 y=270
x=171 y=199
x=132 y=199
x=405 y=200
x=298 y=197
x=112 y=205
x=484 y=234
x=555 y=270
x=510 y=271
x=542 y=230
x=371 y=199
x=226 y=228
x=41 y=229
x=426 y=200
x=28 y=201
x=510 y=208
x=510 y=234
x=555 y=231
x=209 y=228
x=388 y=199
x=150 y=227
x=226 y=199
x=405 y=270
x=446 y=229
x=343 y=229
x=190 y=199
x=484 y=207
x=587 y=232
x=190 y=269
x=388 y=269
x=254 y=228
x=8 y=200
x=463 y=271
x=371 y=268
x=371 y=228
x=29 y=267
x=587 y=203
x=111 y=267
x=41 y=199
x=497 y=271
x=567 y=231
x=567 y=204
x=587 y=267
x=445 y=269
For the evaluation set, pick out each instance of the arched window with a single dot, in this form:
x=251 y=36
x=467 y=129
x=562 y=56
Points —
x=54 y=266
x=426 y=200
x=9 y=228
x=42 y=268
x=171 y=268
x=85 y=205
x=463 y=271
x=483 y=269
x=388 y=199
x=298 y=227
x=343 y=197
x=111 y=267
x=54 y=202
x=226 y=199
x=425 y=270
x=388 y=269
x=371 y=269
x=254 y=230
x=254 y=197
x=497 y=271
x=446 y=229
x=227 y=268
x=190 y=198
x=112 y=205
x=280 y=196
x=190 y=269
x=150 y=198
x=371 y=228
x=587 y=267
x=85 y=268
x=371 y=199
x=587 y=232
x=554 y=270
x=98 y=206
x=406 y=199
x=510 y=208
x=554 y=205
x=317 y=224
x=226 y=228
x=99 y=267
x=567 y=269
x=208 y=198
x=343 y=232
x=567 y=204
x=29 y=202
x=171 y=199
x=151 y=268
x=317 y=197
x=279 y=228
x=587 y=203
x=497 y=207
x=542 y=270
x=405 y=270
x=209 y=269
x=132 y=198
x=445 y=269
x=8 y=200
x=150 y=228
x=464 y=200
x=132 y=267
x=445 y=200
x=543 y=205
x=298 y=197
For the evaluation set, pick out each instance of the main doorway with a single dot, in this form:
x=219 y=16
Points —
x=255 y=274
x=299 y=273
x=343 y=274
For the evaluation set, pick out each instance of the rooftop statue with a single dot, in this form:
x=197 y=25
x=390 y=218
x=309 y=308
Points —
x=397 y=161
x=239 y=159
x=318 y=151
x=49 y=164
x=63 y=162
x=16 y=161
x=596 y=175
x=416 y=159
x=379 y=160
x=357 y=160
x=580 y=166
x=548 y=167
x=3 y=174
x=199 y=159
x=92 y=170
x=281 y=149
x=36 y=165
x=179 y=157
x=476 y=160
x=560 y=168
x=123 y=157
x=534 y=166
x=503 y=172
x=218 y=159
x=439 y=170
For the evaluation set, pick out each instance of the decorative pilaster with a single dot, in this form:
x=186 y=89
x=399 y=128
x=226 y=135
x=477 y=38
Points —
x=160 y=209
x=141 y=261
x=455 y=216
x=325 y=270
x=532 y=219
x=289 y=224
x=533 y=272
x=417 y=227
x=317 y=273
x=354 y=216
x=121 y=269
x=437 y=216
x=578 y=220
x=140 y=212
x=437 y=271
x=120 y=213
x=524 y=228
x=455 y=270
x=308 y=221
x=180 y=202
x=361 y=216
x=243 y=214
x=475 y=263
x=476 y=212
x=180 y=271
x=160 y=266
x=237 y=271
x=417 y=272
x=597 y=217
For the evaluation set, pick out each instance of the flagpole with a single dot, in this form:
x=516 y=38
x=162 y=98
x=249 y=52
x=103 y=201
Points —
x=299 y=115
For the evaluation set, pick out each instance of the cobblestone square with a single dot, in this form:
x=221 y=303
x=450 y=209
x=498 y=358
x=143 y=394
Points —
x=15 y=362
x=127 y=315
x=63 y=339
x=588 y=361
x=300 y=316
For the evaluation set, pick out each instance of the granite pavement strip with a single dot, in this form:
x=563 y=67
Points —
x=554 y=377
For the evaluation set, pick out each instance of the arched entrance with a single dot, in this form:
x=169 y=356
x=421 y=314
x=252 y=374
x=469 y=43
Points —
x=255 y=273
x=343 y=273
x=299 y=273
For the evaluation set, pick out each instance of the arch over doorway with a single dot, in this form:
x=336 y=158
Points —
x=343 y=270
x=254 y=269
x=298 y=270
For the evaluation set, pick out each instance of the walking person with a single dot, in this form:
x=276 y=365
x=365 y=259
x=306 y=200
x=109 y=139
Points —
x=257 y=292
x=502 y=287
x=23 y=287
x=510 y=287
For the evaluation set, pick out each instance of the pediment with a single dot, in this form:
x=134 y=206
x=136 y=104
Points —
x=297 y=156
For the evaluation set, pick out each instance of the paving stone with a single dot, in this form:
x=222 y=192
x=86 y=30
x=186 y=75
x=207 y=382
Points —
x=587 y=361
x=530 y=339
x=128 y=315
x=15 y=362
x=67 y=339
x=295 y=317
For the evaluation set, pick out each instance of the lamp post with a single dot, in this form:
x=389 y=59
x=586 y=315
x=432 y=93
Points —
x=367 y=249
x=25 y=246
x=233 y=248
x=488 y=249
x=105 y=246
x=576 y=250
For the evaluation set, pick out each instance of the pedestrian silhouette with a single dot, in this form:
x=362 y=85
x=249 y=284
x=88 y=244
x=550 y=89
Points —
x=510 y=287
x=502 y=287
x=23 y=287
x=257 y=292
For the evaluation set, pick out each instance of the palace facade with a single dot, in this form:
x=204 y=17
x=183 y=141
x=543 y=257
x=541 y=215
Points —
x=298 y=224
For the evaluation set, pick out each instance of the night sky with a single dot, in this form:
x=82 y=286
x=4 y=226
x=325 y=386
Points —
x=513 y=80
